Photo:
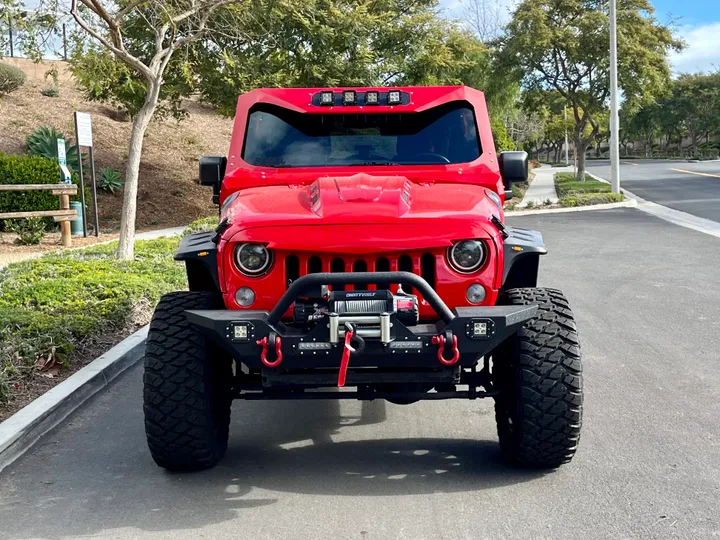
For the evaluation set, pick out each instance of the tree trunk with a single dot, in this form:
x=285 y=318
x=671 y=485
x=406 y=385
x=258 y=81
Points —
x=580 y=150
x=126 y=245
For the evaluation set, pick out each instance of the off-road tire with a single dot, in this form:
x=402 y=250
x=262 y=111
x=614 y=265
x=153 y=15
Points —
x=186 y=395
x=538 y=374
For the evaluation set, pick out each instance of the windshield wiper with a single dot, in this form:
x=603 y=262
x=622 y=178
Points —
x=374 y=163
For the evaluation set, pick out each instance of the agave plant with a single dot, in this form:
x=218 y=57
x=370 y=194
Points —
x=43 y=142
x=110 y=180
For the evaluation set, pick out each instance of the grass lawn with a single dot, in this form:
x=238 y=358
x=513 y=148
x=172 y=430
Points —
x=591 y=191
x=62 y=310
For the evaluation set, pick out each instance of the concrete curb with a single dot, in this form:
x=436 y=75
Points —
x=23 y=429
x=630 y=203
x=677 y=217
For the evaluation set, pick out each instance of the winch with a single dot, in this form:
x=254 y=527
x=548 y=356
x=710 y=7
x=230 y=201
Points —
x=369 y=311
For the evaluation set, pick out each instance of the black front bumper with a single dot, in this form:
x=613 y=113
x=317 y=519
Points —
x=421 y=353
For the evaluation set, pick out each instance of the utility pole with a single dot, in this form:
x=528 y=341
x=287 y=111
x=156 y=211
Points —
x=567 y=145
x=614 y=124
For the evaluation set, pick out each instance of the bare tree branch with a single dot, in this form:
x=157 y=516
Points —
x=118 y=51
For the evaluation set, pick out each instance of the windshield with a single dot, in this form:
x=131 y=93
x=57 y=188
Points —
x=277 y=137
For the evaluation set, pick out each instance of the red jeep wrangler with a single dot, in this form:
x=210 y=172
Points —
x=362 y=245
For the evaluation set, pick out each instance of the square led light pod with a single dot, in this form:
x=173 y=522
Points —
x=327 y=98
x=372 y=98
x=349 y=97
x=240 y=331
x=394 y=97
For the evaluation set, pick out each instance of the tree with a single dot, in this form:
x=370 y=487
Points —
x=484 y=17
x=338 y=43
x=696 y=100
x=644 y=126
x=563 y=45
x=168 y=26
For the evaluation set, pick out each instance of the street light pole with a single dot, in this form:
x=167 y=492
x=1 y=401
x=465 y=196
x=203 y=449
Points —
x=567 y=145
x=614 y=127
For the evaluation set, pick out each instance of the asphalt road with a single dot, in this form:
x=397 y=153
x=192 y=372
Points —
x=647 y=301
x=689 y=187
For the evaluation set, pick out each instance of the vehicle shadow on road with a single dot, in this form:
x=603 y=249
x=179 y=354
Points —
x=306 y=457
x=97 y=476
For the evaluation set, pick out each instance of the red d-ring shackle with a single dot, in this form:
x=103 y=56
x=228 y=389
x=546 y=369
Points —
x=278 y=352
x=440 y=342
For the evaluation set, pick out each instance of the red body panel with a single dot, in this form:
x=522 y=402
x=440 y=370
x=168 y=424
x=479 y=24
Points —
x=361 y=213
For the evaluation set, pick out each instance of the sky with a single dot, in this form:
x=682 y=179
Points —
x=697 y=23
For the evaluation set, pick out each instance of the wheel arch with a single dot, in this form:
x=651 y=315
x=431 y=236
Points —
x=522 y=251
x=199 y=252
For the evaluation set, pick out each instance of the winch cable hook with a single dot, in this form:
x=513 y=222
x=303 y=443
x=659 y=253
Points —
x=348 y=349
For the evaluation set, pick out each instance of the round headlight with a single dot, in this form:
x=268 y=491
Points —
x=467 y=256
x=252 y=259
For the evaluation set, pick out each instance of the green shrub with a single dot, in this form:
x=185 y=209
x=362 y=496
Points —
x=29 y=170
x=202 y=225
x=518 y=189
x=565 y=185
x=110 y=180
x=587 y=199
x=43 y=142
x=30 y=231
x=11 y=78
x=50 y=91
x=72 y=299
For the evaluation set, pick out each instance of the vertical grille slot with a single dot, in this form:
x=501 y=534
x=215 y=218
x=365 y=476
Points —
x=427 y=268
x=314 y=265
x=338 y=265
x=382 y=265
x=405 y=264
x=292 y=269
x=359 y=266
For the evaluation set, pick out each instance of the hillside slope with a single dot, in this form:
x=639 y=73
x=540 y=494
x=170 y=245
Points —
x=168 y=193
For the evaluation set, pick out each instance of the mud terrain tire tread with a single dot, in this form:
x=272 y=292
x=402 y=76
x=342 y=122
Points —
x=186 y=393
x=539 y=375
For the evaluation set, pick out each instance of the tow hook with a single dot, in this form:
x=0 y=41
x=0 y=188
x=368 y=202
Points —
x=277 y=347
x=440 y=341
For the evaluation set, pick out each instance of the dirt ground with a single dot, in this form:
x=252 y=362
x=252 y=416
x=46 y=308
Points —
x=168 y=194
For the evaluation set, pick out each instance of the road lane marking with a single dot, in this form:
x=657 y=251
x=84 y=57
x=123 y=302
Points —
x=629 y=163
x=698 y=173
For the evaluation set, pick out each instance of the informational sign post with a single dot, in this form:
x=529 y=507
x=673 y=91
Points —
x=83 y=134
x=65 y=175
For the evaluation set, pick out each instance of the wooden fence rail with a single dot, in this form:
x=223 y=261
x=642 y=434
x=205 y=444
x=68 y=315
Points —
x=64 y=215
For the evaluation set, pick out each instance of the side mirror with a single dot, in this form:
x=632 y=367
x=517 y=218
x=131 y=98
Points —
x=513 y=167
x=212 y=172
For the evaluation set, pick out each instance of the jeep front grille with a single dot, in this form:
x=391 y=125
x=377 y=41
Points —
x=421 y=263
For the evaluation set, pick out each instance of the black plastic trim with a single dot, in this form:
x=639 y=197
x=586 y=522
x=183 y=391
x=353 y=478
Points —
x=193 y=245
x=530 y=243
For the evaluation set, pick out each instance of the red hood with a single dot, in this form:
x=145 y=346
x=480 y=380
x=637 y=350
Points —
x=444 y=212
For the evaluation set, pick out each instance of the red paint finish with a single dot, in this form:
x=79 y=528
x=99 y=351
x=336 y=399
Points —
x=360 y=215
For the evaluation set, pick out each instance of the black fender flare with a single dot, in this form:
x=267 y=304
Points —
x=199 y=252
x=522 y=249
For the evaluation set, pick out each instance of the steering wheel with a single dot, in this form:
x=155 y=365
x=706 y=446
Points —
x=439 y=157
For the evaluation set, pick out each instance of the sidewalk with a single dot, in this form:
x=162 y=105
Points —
x=542 y=187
